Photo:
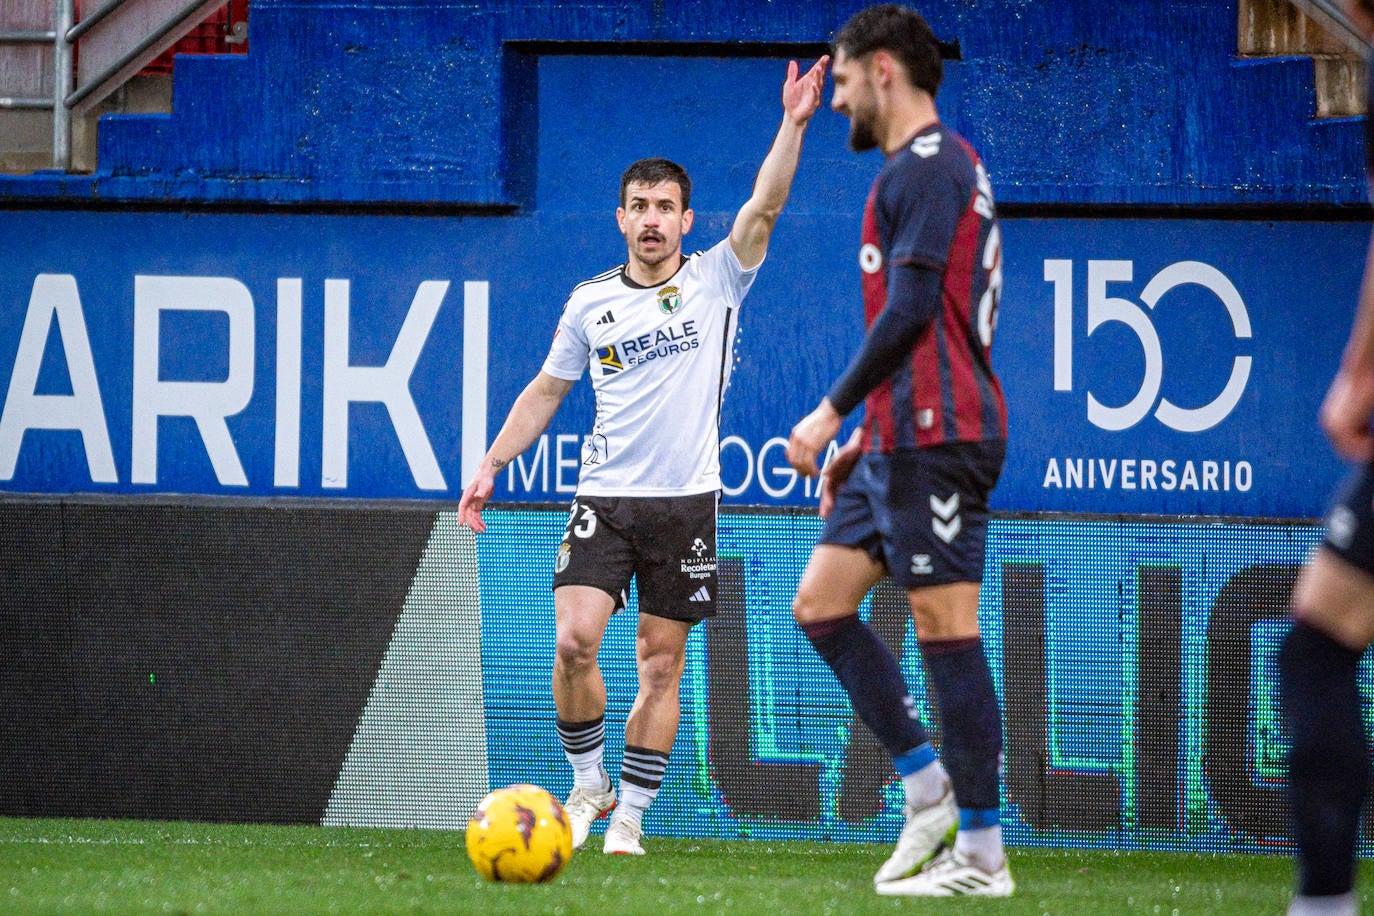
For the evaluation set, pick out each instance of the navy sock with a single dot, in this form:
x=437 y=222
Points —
x=873 y=679
x=970 y=721
x=1328 y=766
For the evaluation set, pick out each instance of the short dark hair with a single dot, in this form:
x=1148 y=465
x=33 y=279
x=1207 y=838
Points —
x=656 y=171
x=900 y=31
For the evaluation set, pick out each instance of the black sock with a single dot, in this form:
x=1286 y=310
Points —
x=873 y=679
x=1328 y=766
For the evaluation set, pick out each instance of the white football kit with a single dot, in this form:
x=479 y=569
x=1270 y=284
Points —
x=660 y=359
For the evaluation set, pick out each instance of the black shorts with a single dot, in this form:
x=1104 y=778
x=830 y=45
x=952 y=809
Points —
x=667 y=544
x=1350 y=521
x=922 y=513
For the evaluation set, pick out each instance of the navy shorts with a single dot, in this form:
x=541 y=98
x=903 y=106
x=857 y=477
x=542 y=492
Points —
x=667 y=544
x=922 y=513
x=1350 y=521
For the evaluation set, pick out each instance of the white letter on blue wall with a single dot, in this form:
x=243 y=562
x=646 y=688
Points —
x=475 y=323
x=208 y=403
x=390 y=385
x=286 y=463
x=25 y=409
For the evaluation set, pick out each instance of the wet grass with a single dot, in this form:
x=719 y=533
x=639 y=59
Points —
x=49 y=866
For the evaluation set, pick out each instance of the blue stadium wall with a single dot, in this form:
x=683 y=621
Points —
x=252 y=359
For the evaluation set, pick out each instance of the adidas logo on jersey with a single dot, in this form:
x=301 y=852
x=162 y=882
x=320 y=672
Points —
x=701 y=594
x=607 y=318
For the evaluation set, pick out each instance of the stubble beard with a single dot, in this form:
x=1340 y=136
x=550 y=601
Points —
x=653 y=260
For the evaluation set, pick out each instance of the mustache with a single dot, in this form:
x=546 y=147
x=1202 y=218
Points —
x=648 y=234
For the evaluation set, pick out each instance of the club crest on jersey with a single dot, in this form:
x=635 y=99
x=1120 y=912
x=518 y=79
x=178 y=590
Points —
x=669 y=299
x=609 y=359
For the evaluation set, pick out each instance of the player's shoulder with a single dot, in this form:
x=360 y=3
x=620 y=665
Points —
x=595 y=289
x=700 y=258
x=934 y=157
x=591 y=284
x=936 y=148
x=719 y=257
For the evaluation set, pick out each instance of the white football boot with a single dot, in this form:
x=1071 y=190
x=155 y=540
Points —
x=584 y=806
x=926 y=828
x=951 y=875
x=622 y=838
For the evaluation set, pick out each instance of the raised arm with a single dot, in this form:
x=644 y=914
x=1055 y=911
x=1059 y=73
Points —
x=801 y=96
x=528 y=418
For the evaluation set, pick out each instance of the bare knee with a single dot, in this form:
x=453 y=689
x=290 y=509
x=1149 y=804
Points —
x=1337 y=598
x=945 y=611
x=575 y=650
x=808 y=606
x=834 y=583
x=927 y=621
x=661 y=672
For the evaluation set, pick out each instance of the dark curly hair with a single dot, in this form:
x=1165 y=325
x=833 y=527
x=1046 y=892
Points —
x=900 y=31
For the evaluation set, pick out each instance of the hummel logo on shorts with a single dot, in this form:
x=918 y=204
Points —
x=701 y=594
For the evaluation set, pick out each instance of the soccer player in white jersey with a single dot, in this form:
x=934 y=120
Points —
x=657 y=335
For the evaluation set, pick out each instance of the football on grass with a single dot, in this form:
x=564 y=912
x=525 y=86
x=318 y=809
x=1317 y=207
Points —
x=519 y=835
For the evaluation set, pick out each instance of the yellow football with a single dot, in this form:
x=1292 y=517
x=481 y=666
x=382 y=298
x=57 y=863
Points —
x=520 y=835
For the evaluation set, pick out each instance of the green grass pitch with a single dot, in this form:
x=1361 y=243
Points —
x=85 y=866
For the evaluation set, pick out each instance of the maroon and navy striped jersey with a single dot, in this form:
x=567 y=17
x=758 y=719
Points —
x=931 y=207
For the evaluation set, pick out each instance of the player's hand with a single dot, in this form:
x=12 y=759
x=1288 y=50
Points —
x=838 y=469
x=474 y=498
x=1346 y=413
x=801 y=97
x=810 y=436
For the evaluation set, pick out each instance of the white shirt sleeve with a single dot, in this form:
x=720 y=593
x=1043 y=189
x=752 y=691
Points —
x=568 y=353
x=721 y=263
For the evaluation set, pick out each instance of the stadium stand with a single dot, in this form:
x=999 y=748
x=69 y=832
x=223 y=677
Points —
x=388 y=102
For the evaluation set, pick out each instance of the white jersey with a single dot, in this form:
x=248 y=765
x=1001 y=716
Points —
x=660 y=360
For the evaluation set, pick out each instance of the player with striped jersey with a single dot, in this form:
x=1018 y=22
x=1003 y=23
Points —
x=656 y=335
x=908 y=495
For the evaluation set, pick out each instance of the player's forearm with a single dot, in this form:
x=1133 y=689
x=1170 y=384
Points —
x=774 y=181
x=754 y=224
x=529 y=416
x=801 y=97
